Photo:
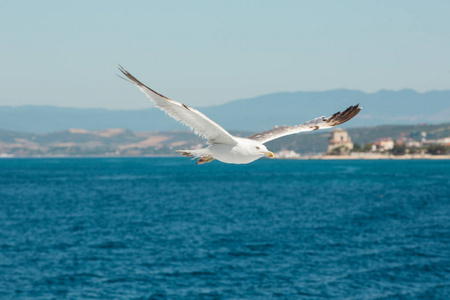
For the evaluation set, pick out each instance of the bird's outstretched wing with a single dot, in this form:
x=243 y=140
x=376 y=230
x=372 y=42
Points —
x=198 y=122
x=317 y=123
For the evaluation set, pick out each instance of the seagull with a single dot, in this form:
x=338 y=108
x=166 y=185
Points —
x=222 y=145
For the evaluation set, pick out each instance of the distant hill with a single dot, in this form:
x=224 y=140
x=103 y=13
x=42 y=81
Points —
x=81 y=142
x=122 y=142
x=255 y=114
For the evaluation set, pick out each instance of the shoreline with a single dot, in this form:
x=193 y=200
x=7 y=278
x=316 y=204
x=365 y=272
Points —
x=374 y=157
x=306 y=157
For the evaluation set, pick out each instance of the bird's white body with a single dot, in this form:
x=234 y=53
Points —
x=243 y=152
x=224 y=146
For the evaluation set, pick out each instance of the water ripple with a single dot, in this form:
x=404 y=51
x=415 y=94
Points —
x=167 y=229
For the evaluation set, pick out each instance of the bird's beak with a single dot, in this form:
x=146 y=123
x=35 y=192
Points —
x=268 y=153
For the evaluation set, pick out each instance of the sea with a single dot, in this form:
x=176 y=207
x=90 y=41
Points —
x=165 y=228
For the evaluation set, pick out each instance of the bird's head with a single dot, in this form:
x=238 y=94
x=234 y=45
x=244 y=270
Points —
x=261 y=150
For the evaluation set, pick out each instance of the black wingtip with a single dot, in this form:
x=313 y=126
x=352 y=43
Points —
x=130 y=77
x=340 y=118
x=122 y=69
x=125 y=72
x=136 y=82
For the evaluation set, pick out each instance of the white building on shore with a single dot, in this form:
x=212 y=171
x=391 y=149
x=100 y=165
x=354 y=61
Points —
x=339 y=143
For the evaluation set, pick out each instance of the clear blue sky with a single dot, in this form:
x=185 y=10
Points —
x=65 y=53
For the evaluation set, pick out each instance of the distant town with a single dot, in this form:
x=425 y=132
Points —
x=340 y=145
x=379 y=142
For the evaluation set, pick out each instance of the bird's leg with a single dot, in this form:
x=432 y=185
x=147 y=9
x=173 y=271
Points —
x=205 y=159
x=185 y=153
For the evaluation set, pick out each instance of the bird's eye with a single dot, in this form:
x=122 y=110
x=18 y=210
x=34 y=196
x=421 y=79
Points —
x=257 y=148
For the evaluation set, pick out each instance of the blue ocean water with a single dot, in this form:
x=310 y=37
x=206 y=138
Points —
x=164 y=228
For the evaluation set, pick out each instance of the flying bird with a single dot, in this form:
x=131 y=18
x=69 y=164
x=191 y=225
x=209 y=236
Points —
x=222 y=145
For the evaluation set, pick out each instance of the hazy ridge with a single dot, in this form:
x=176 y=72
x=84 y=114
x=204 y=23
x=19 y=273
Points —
x=254 y=114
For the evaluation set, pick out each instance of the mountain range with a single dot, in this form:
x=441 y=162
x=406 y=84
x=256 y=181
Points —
x=252 y=115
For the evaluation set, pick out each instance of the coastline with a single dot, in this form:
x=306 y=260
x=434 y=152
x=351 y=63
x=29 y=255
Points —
x=355 y=156
x=364 y=156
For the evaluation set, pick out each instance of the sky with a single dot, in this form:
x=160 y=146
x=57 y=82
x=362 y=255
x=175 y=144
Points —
x=203 y=53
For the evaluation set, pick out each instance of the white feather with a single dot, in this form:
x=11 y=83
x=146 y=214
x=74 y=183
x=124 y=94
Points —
x=198 y=122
